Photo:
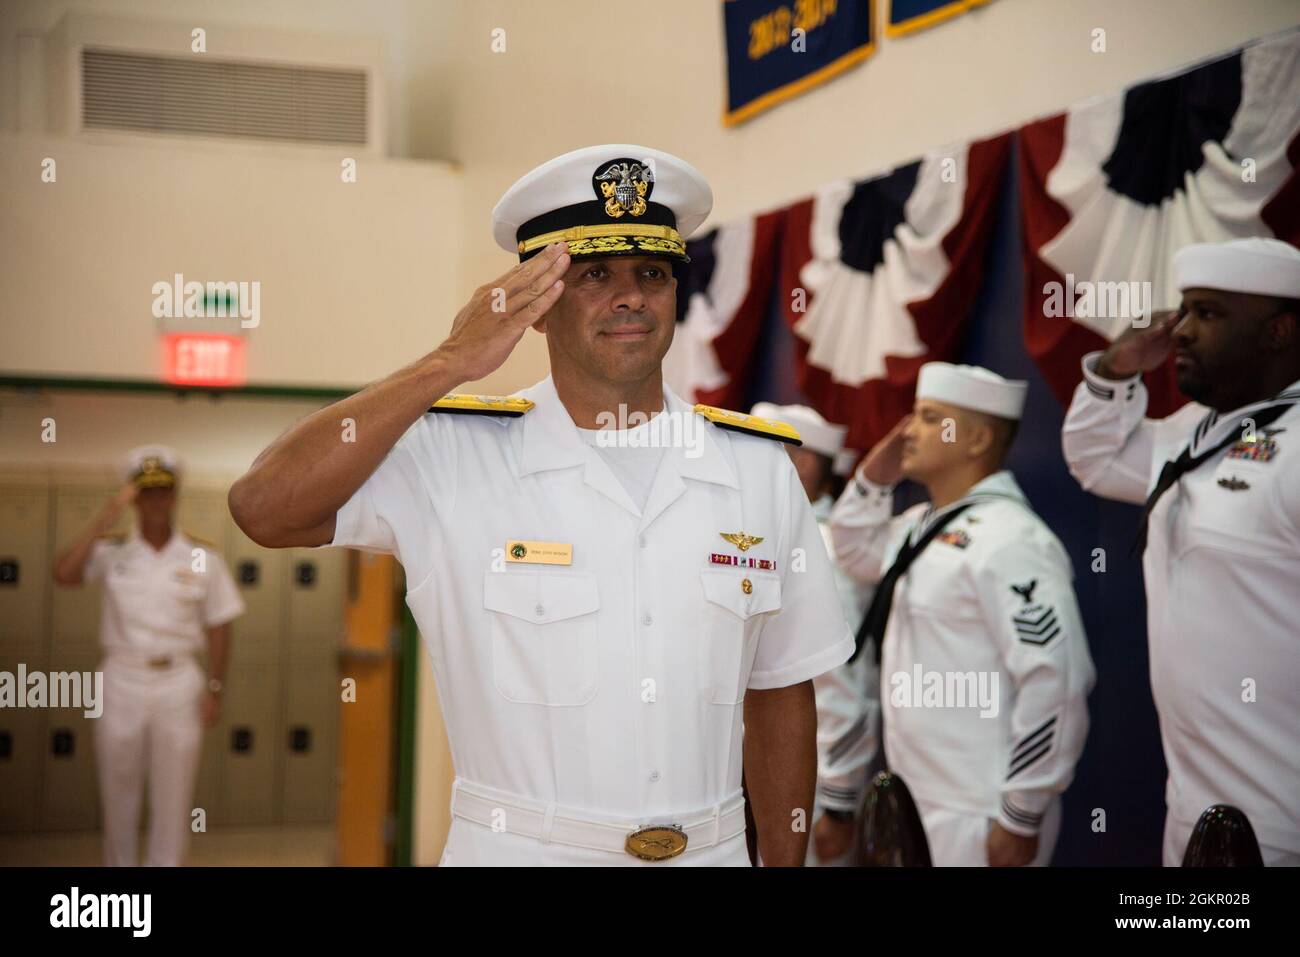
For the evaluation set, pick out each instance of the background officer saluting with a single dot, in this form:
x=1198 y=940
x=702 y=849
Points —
x=1221 y=482
x=163 y=593
x=972 y=587
x=848 y=709
x=606 y=609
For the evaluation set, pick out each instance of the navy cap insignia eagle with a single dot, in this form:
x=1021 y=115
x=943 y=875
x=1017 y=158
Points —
x=625 y=185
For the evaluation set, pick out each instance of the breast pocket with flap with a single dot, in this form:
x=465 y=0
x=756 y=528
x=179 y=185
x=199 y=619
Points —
x=733 y=617
x=544 y=637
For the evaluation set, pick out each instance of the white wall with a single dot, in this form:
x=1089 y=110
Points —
x=419 y=38
x=356 y=279
x=218 y=438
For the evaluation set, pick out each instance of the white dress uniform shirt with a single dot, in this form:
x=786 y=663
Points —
x=848 y=706
x=992 y=596
x=608 y=689
x=160 y=602
x=156 y=608
x=1222 y=568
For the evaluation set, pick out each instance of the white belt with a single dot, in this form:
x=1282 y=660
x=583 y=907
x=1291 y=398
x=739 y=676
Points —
x=163 y=661
x=551 y=824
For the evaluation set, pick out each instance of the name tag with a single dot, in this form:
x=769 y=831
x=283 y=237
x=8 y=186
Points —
x=539 y=553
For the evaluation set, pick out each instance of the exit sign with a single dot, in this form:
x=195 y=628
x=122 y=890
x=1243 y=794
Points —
x=205 y=359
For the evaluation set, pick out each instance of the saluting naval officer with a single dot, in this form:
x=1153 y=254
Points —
x=612 y=585
x=1221 y=483
x=848 y=709
x=165 y=594
x=985 y=669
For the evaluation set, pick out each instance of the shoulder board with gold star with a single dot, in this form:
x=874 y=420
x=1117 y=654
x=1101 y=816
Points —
x=751 y=424
x=116 y=538
x=199 y=541
x=509 y=405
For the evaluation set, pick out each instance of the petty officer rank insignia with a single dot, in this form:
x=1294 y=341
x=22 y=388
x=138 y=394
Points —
x=1036 y=624
x=750 y=424
x=508 y=405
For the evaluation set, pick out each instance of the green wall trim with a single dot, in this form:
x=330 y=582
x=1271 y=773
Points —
x=151 y=386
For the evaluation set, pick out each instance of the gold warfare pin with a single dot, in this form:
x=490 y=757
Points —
x=741 y=540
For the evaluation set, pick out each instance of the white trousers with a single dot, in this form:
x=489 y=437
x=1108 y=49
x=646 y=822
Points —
x=150 y=730
x=960 y=838
x=1177 y=834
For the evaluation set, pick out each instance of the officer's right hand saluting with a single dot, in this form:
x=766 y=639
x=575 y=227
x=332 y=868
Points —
x=293 y=490
x=490 y=325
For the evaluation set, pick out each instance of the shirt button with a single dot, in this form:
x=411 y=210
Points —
x=641 y=541
x=540 y=611
x=647 y=620
x=654 y=775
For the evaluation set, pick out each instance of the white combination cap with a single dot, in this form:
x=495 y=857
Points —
x=612 y=200
x=152 y=466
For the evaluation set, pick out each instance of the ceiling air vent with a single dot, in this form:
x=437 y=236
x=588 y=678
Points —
x=225 y=98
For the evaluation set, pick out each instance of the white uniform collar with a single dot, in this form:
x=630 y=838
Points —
x=1215 y=427
x=550 y=440
x=999 y=485
x=133 y=537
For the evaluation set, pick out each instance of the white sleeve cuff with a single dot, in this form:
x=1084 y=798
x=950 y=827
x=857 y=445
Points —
x=804 y=670
x=1108 y=390
x=1017 y=820
x=838 y=798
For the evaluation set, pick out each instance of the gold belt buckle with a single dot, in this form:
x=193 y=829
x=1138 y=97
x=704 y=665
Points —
x=656 y=843
x=160 y=662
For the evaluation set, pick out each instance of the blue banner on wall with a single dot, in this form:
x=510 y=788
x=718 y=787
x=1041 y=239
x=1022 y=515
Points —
x=906 y=16
x=777 y=49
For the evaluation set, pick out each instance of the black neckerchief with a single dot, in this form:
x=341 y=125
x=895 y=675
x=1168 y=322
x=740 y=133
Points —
x=877 y=616
x=1173 y=470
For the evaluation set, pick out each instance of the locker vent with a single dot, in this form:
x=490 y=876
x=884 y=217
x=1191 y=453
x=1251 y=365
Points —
x=225 y=98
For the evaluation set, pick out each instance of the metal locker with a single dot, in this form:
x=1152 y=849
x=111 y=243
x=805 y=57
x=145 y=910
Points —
x=20 y=752
x=249 y=752
x=75 y=611
x=309 y=741
x=207 y=785
x=203 y=514
x=259 y=575
x=69 y=783
x=317 y=582
x=25 y=563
